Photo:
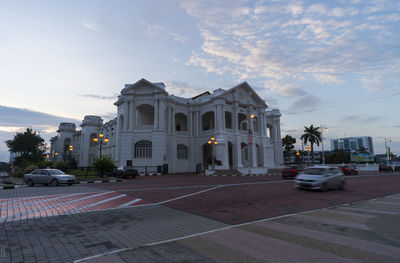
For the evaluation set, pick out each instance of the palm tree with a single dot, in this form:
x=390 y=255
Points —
x=287 y=143
x=313 y=135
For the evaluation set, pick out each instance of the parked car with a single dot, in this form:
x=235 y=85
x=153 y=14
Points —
x=126 y=172
x=397 y=168
x=349 y=169
x=48 y=176
x=384 y=167
x=320 y=177
x=291 y=171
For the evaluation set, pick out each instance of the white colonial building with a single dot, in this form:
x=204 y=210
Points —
x=153 y=128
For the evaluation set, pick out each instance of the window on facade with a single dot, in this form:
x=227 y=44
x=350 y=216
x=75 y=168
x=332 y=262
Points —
x=181 y=122
x=242 y=121
x=143 y=149
x=182 y=151
x=228 y=120
x=145 y=115
x=207 y=121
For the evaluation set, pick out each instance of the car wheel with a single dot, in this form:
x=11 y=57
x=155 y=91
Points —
x=324 y=188
x=341 y=186
x=54 y=182
x=29 y=183
x=69 y=184
x=46 y=184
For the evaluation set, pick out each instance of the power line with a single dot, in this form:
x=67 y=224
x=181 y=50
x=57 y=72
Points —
x=343 y=104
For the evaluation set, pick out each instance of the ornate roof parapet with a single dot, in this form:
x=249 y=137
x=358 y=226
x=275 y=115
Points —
x=66 y=127
x=91 y=120
x=273 y=113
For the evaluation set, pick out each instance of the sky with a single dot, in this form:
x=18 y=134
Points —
x=329 y=63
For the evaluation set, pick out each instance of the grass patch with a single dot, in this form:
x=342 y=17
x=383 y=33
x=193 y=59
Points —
x=82 y=173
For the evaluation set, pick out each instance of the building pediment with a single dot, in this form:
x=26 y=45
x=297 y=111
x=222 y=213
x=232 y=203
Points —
x=244 y=94
x=143 y=86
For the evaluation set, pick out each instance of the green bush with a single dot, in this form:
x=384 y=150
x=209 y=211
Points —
x=62 y=166
x=103 y=164
x=45 y=164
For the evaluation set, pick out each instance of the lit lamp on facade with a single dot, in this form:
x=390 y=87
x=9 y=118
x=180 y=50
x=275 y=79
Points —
x=213 y=142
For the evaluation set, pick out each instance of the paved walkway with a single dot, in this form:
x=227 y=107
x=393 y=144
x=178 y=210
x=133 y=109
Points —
x=364 y=232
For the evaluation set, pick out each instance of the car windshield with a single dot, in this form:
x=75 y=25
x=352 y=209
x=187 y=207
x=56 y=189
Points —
x=56 y=171
x=315 y=171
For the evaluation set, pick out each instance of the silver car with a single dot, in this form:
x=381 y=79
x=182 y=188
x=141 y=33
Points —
x=320 y=178
x=48 y=176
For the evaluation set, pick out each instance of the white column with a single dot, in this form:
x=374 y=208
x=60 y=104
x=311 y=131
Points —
x=132 y=116
x=235 y=119
x=156 y=114
x=126 y=120
x=190 y=122
x=173 y=121
x=162 y=115
x=223 y=118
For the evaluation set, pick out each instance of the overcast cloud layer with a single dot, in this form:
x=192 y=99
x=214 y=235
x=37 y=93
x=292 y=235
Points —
x=290 y=44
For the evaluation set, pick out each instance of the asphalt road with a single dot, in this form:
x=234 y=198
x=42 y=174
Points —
x=171 y=207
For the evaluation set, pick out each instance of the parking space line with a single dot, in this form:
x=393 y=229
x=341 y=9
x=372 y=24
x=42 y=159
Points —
x=130 y=202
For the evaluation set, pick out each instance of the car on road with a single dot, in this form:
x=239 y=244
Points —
x=291 y=171
x=349 y=169
x=384 y=167
x=126 y=172
x=320 y=177
x=48 y=176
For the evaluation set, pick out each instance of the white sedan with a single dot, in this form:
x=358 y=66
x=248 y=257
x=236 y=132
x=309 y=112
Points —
x=320 y=177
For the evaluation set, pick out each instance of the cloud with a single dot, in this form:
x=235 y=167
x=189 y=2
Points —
x=362 y=119
x=304 y=103
x=14 y=120
x=90 y=26
x=95 y=96
x=289 y=42
x=17 y=117
x=153 y=31
x=183 y=89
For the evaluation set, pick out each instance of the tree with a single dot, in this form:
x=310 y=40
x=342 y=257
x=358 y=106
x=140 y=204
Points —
x=362 y=149
x=29 y=145
x=287 y=144
x=313 y=135
x=103 y=164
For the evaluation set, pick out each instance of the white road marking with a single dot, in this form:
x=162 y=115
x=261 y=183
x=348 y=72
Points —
x=99 y=202
x=130 y=203
x=184 y=196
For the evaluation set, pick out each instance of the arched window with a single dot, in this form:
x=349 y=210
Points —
x=67 y=143
x=181 y=122
x=242 y=122
x=182 y=151
x=207 y=120
x=143 y=149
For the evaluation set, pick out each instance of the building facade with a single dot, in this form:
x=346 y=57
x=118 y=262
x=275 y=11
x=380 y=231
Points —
x=352 y=144
x=154 y=128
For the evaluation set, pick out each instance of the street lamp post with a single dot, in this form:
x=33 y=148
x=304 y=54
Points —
x=213 y=142
x=323 y=128
x=308 y=149
x=387 y=149
x=100 y=140
x=71 y=148
x=249 y=141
